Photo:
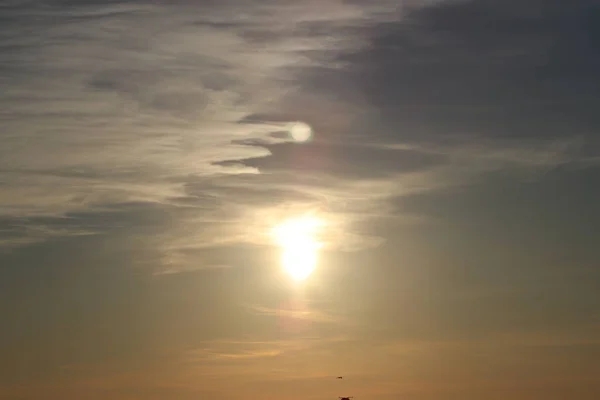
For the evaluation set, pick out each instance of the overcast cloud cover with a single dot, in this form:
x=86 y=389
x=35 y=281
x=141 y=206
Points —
x=145 y=153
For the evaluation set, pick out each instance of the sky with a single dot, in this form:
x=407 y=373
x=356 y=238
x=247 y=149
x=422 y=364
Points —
x=148 y=154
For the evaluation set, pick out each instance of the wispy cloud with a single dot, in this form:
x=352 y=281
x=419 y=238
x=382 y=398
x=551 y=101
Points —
x=234 y=350
x=232 y=357
x=185 y=106
x=299 y=313
x=120 y=103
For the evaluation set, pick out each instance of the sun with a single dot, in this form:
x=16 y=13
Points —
x=299 y=243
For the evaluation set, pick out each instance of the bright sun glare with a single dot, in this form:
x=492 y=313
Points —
x=298 y=239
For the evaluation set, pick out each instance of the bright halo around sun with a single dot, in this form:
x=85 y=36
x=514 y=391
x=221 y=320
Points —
x=300 y=131
x=299 y=242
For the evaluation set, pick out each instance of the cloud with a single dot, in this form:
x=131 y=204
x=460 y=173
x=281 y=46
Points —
x=342 y=160
x=119 y=103
x=485 y=68
x=271 y=360
x=512 y=83
x=298 y=313
x=180 y=109
x=239 y=350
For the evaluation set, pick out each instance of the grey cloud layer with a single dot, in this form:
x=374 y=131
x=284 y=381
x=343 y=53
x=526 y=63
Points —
x=121 y=102
x=490 y=68
x=108 y=106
